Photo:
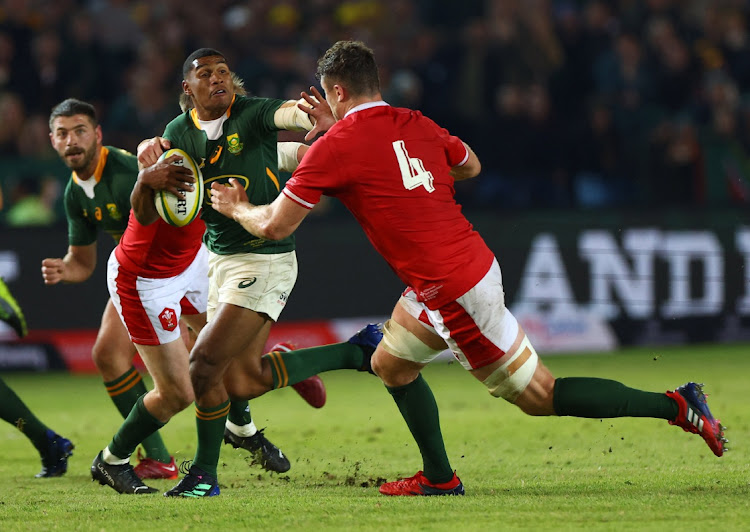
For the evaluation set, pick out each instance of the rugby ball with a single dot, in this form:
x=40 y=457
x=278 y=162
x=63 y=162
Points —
x=180 y=211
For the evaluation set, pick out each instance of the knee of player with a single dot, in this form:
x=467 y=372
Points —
x=203 y=359
x=537 y=406
x=172 y=402
x=515 y=381
x=109 y=361
x=202 y=376
x=401 y=355
x=377 y=363
x=181 y=397
x=391 y=370
x=244 y=391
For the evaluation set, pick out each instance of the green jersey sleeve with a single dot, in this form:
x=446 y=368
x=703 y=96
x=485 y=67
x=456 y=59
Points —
x=266 y=108
x=81 y=232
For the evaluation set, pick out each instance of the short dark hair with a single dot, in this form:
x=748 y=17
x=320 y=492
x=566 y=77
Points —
x=72 y=107
x=187 y=66
x=352 y=63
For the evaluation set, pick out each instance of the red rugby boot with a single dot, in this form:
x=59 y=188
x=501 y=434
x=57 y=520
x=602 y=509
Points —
x=149 y=468
x=419 y=485
x=695 y=417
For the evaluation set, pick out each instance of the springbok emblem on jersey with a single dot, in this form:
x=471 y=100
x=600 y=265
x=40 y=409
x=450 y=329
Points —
x=234 y=144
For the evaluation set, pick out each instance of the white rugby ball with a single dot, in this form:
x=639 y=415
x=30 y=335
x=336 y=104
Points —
x=175 y=210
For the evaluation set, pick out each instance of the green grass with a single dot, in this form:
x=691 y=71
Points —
x=520 y=472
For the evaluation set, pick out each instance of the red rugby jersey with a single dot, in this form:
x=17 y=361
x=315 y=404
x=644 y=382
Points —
x=390 y=167
x=159 y=250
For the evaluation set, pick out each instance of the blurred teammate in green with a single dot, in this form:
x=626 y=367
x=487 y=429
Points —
x=53 y=448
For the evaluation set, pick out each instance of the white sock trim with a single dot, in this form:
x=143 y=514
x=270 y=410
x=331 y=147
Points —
x=111 y=459
x=242 y=430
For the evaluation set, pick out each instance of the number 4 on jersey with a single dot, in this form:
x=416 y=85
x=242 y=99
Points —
x=413 y=172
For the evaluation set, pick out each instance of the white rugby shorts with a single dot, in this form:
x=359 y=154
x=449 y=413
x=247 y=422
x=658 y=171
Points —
x=255 y=281
x=151 y=308
x=477 y=327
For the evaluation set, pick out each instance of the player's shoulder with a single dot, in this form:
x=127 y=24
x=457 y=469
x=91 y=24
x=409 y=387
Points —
x=70 y=188
x=179 y=125
x=119 y=160
x=414 y=118
x=122 y=156
x=415 y=115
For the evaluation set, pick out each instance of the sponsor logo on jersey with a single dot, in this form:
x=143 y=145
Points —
x=235 y=146
x=215 y=156
x=168 y=319
x=247 y=282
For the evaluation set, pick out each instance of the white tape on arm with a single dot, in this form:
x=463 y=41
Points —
x=291 y=117
x=287 y=155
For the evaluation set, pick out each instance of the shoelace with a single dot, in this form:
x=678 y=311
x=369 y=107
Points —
x=265 y=445
x=185 y=466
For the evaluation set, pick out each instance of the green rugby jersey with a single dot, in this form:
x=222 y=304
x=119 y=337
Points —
x=108 y=209
x=246 y=150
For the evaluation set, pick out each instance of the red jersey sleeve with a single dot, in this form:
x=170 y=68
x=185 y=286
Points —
x=455 y=152
x=314 y=177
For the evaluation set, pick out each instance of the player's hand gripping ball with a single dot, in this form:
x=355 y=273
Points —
x=173 y=209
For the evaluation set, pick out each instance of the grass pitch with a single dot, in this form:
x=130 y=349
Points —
x=520 y=472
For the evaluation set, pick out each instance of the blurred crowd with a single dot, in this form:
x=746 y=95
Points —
x=568 y=103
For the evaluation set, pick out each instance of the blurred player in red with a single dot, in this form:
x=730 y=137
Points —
x=395 y=169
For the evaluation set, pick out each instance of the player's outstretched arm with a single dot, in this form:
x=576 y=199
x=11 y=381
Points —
x=320 y=112
x=274 y=221
x=77 y=265
x=306 y=114
x=469 y=169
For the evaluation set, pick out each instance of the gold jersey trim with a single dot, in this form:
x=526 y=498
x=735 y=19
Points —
x=103 y=152
x=194 y=114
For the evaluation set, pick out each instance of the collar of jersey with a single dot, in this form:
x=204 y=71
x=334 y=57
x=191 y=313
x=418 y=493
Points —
x=197 y=121
x=103 y=152
x=363 y=106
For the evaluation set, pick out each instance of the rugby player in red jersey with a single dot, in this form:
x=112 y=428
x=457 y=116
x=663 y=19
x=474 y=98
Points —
x=157 y=275
x=395 y=169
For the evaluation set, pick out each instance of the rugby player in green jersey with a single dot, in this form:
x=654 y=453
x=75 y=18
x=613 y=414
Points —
x=98 y=197
x=53 y=448
x=232 y=136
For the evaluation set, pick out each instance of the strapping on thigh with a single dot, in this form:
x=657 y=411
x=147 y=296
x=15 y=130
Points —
x=402 y=343
x=511 y=379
